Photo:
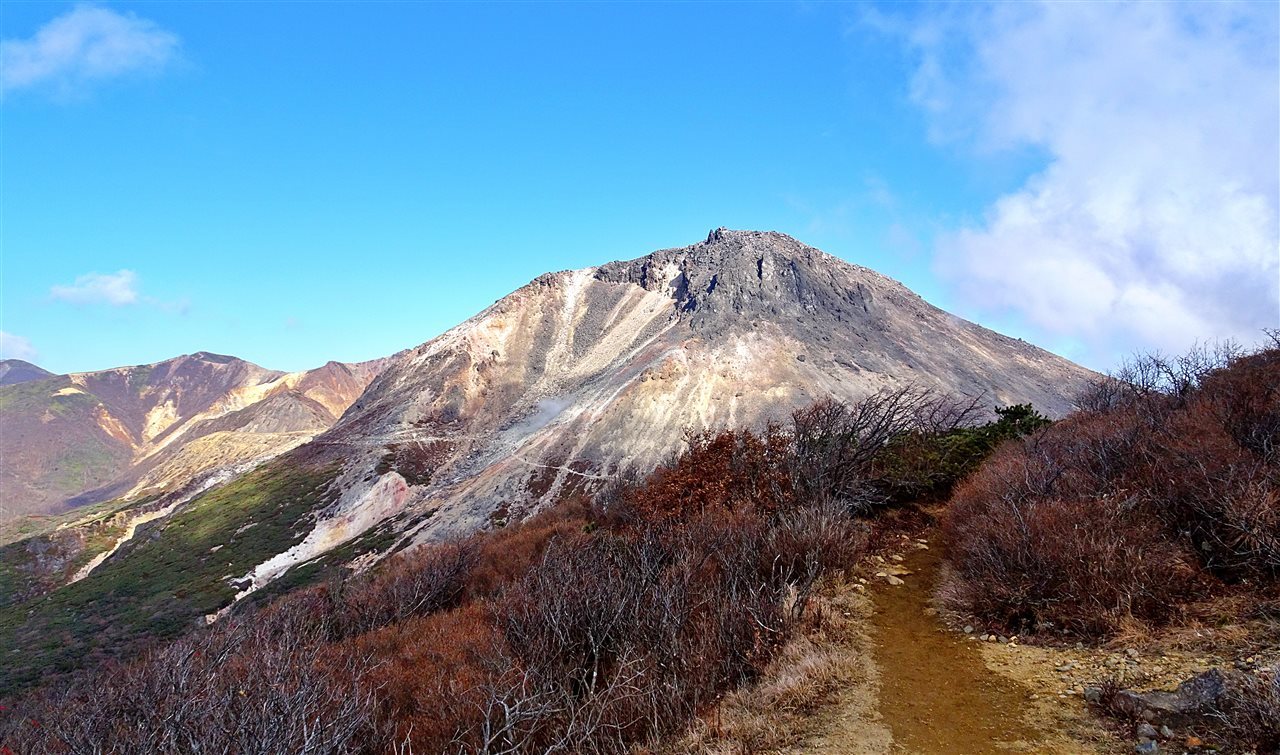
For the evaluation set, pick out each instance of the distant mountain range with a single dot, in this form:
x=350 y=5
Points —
x=132 y=431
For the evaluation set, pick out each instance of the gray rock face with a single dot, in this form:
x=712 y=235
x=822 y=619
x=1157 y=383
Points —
x=584 y=375
x=1184 y=706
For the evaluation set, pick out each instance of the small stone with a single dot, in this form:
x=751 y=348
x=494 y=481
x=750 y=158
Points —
x=1131 y=653
x=1147 y=747
x=1066 y=667
x=968 y=629
x=1191 y=741
x=896 y=558
x=1093 y=695
x=860 y=588
x=1003 y=640
x=1146 y=731
x=991 y=638
x=1166 y=732
x=894 y=581
x=921 y=547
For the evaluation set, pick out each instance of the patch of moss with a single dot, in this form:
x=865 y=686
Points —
x=33 y=395
x=85 y=465
x=166 y=578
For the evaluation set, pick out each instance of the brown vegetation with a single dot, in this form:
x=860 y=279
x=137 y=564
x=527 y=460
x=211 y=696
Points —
x=600 y=625
x=1163 y=488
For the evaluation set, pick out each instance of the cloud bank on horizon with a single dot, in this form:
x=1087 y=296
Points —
x=1153 y=224
x=84 y=45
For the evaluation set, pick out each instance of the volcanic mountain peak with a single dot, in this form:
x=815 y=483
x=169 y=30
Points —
x=576 y=379
x=583 y=376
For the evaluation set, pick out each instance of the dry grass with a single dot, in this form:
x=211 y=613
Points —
x=822 y=657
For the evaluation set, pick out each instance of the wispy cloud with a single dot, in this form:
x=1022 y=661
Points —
x=84 y=45
x=116 y=289
x=1155 y=221
x=16 y=347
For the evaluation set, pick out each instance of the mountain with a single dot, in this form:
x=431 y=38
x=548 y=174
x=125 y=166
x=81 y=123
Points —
x=573 y=380
x=17 y=371
x=585 y=375
x=86 y=437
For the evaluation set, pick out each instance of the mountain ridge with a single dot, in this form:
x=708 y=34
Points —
x=85 y=437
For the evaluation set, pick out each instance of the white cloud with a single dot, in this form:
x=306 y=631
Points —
x=117 y=289
x=84 y=45
x=16 y=347
x=1155 y=221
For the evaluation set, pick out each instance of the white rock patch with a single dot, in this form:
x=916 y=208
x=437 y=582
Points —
x=386 y=498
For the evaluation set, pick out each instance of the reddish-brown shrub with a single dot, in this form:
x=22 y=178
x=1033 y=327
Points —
x=1046 y=563
x=729 y=470
x=419 y=583
x=505 y=554
x=1166 y=478
x=431 y=674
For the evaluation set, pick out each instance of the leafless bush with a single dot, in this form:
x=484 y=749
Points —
x=809 y=541
x=1167 y=478
x=837 y=444
x=244 y=687
x=413 y=585
x=1249 y=710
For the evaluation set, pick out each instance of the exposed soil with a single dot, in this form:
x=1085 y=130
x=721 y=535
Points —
x=930 y=689
x=936 y=693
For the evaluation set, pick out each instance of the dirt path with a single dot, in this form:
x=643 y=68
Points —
x=936 y=693
x=929 y=689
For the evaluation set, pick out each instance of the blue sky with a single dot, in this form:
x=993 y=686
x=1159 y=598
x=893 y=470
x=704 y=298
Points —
x=298 y=182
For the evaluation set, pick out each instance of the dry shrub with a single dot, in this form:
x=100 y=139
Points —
x=505 y=554
x=1073 y=565
x=731 y=470
x=1166 y=480
x=822 y=656
x=415 y=584
x=431 y=674
x=1249 y=710
x=266 y=684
